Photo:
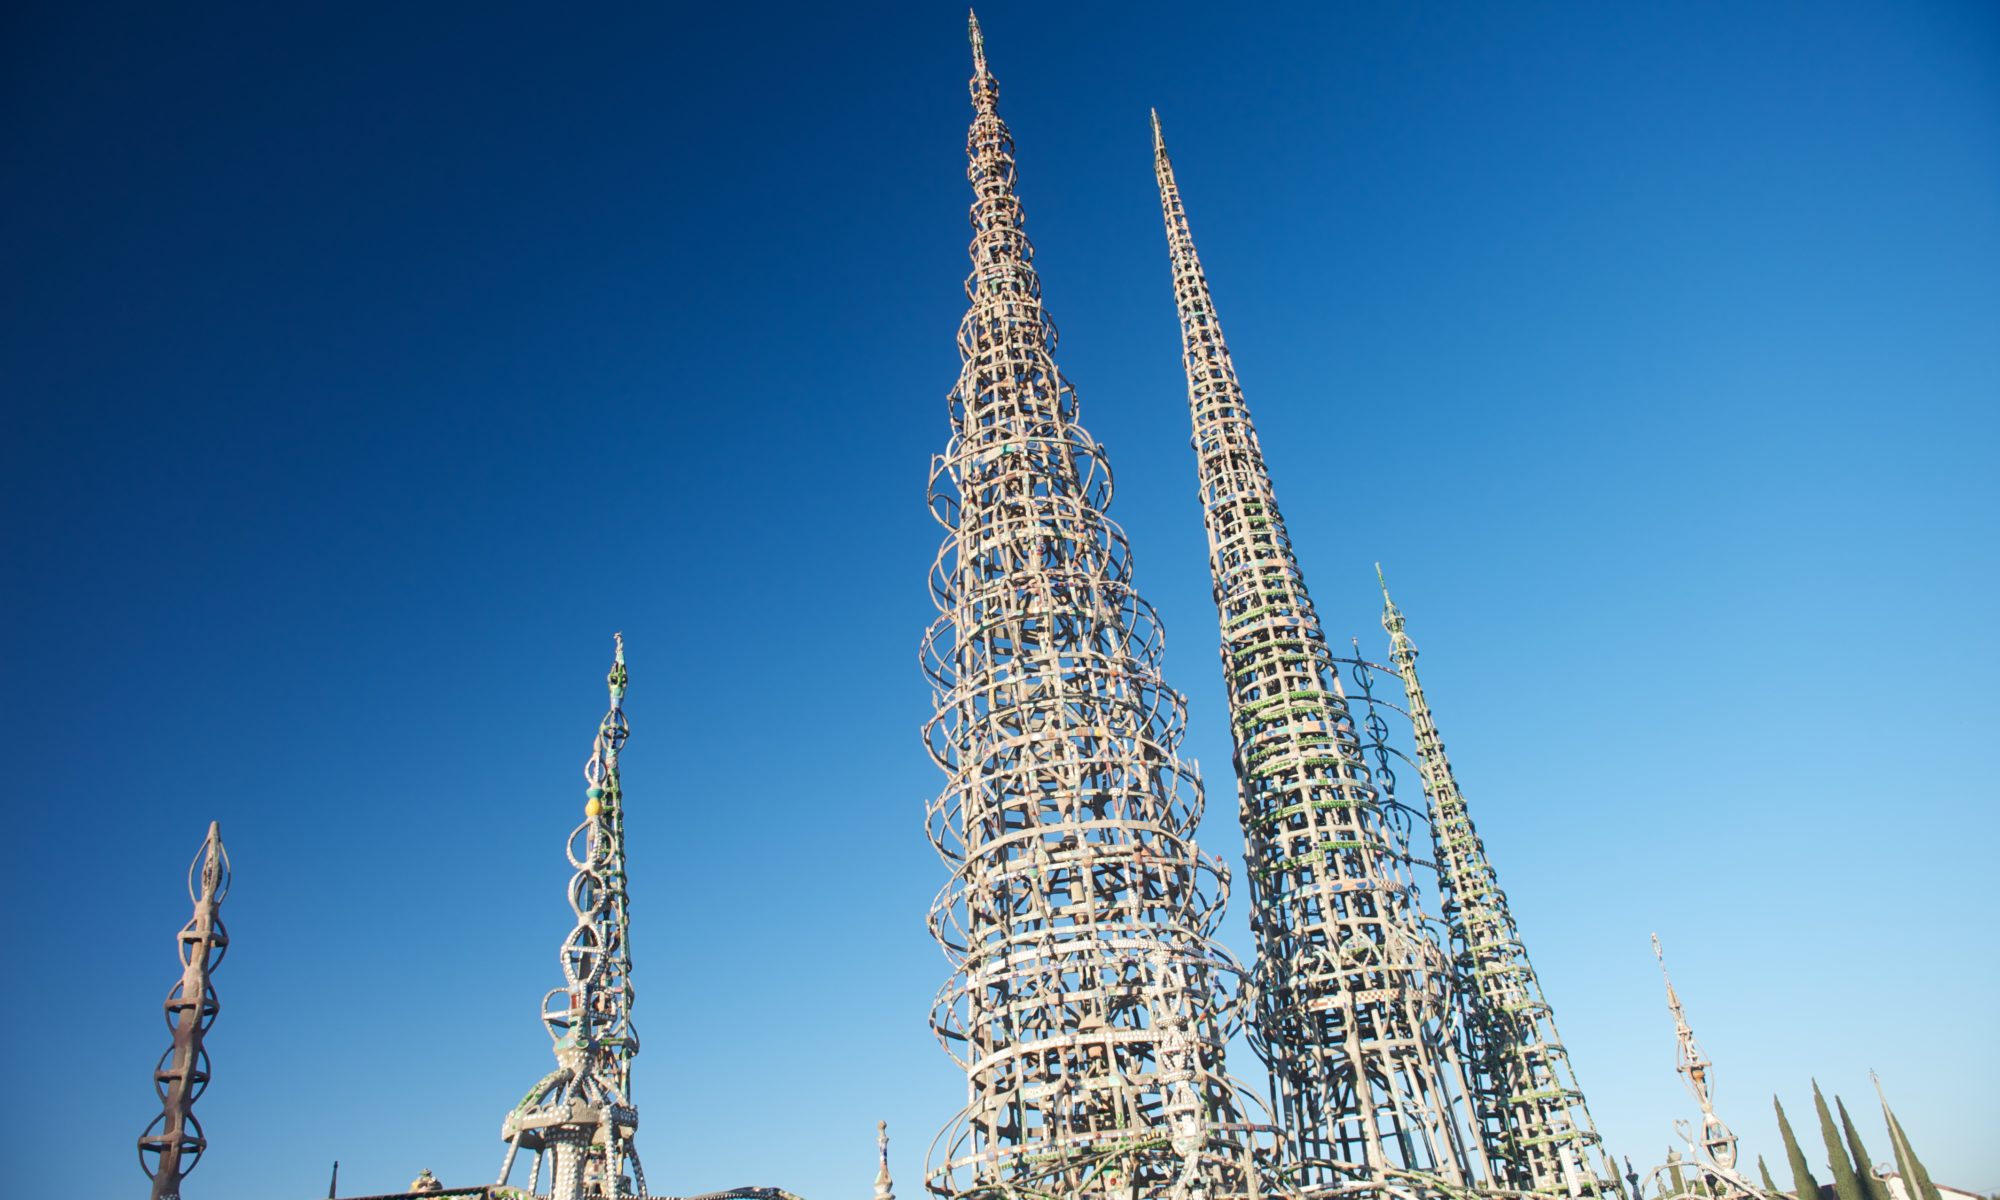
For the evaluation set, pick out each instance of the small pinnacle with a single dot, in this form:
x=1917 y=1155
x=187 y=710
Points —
x=1159 y=141
x=1379 y=578
x=978 y=42
x=884 y=1185
x=618 y=647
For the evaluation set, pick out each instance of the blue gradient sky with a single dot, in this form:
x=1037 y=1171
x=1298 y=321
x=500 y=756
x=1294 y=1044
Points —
x=366 y=367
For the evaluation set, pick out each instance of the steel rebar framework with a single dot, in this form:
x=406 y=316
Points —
x=1354 y=1008
x=1089 y=1005
x=173 y=1143
x=579 y=1119
x=1526 y=1104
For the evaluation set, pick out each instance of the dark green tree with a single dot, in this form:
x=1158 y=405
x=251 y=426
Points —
x=1764 y=1171
x=1674 y=1172
x=1863 y=1164
x=1845 y=1183
x=1804 y=1186
x=1917 y=1183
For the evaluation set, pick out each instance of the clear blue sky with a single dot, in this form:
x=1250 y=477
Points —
x=366 y=366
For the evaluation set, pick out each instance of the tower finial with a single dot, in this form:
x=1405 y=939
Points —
x=885 y=1188
x=1400 y=644
x=978 y=42
x=1159 y=139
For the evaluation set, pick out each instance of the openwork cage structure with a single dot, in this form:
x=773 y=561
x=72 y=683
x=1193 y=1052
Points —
x=173 y=1143
x=578 y=1121
x=1527 y=1106
x=1354 y=1013
x=1089 y=1005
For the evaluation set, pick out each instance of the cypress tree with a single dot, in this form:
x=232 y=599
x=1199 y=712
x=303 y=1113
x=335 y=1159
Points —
x=1765 y=1172
x=1804 y=1186
x=1674 y=1172
x=1916 y=1181
x=1863 y=1164
x=1845 y=1185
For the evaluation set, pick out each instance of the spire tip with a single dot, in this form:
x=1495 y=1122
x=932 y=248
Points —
x=885 y=1187
x=978 y=41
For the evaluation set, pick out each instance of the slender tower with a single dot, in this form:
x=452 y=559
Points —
x=1089 y=1004
x=1354 y=995
x=172 y=1144
x=579 y=1119
x=1718 y=1144
x=1529 y=1110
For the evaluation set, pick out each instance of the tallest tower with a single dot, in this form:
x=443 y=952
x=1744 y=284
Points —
x=1354 y=1004
x=1088 y=1006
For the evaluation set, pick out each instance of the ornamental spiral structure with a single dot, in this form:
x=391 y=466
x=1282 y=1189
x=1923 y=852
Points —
x=1354 y=1004
x=1527 y=1106
x=1089 y=1005
x=173 y=1143
x=579 y=1119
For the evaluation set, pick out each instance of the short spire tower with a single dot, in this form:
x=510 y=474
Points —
x=173 y=1143
x=1529 y=1110
x=579 y=1120
x=1717 y=1142
x=1354 y=1017
x=1089 y=1005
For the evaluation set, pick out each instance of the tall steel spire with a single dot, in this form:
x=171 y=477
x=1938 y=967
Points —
x=580 y=1119
x=173 y=1143
x=1529 y=1110
x=1089 y=1004
x=1354 y=1001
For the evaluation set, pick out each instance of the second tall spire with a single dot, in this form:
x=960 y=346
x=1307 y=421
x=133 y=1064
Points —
x=1354 y=1002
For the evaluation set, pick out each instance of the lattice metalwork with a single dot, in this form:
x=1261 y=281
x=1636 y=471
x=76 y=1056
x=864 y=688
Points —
x=579 y=1120
x=1354 y=1007
x=1527 y=1106
x=1090 y=1005
x=173 y=1143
